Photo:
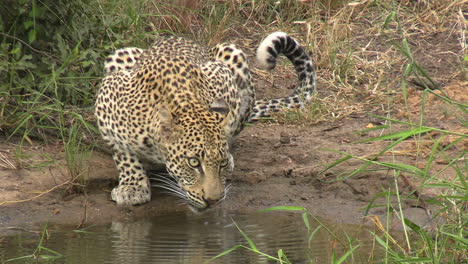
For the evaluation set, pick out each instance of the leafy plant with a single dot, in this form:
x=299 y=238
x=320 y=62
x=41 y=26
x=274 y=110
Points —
x=51 y=56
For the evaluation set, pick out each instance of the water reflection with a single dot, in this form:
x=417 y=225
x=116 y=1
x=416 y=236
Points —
x=188 y=238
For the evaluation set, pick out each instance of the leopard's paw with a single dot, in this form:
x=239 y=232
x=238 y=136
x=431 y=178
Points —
x=131 y=194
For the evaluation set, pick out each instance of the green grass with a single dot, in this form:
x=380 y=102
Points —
x=51 y=60
x=41 y=254
x=76 y=150
x=348 y=246
x=447 y=243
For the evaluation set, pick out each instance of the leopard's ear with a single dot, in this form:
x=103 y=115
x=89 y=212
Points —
x=167 y=126
x=219 y=105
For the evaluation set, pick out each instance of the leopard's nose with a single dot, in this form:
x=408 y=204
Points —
x=211 y=202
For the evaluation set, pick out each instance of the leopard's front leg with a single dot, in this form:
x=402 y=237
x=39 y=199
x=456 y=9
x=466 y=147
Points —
x=134 y=186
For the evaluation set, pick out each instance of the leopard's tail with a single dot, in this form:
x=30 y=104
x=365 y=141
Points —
x=267 y=53
x=122 y=59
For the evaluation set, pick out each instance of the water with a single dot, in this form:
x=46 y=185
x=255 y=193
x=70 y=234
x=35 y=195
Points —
x=184 y=237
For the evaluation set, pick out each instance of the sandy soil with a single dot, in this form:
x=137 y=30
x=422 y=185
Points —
x=276 y=164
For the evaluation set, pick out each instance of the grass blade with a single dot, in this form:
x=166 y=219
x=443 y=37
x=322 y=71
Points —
x=249 y=241
x=399 y=135
x=311 y=236
x=284 y=208
x=224 y=253
x=337 y=162
x=306 y=220
x=346 y=255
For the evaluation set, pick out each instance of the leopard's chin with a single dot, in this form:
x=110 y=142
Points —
x=199 y=210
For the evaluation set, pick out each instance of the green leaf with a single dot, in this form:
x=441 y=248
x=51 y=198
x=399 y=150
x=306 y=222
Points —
x=23 y=123
x=31 y=36
x=337 y=162
x=311 y=236
x=380 y=241
x=249 y=241
x=412 y=225
x=457 y=238
x=282 y=257
x=306 y=220
x=346 y=255
x=372 y=201
x=407 y=48
x=76 y=50
x=461 y=198
x=408 y=70
x=284 y=208
x=24 y=63
x=402 y=167
x=388 y=19
x=28 y=24
x=20 y=258
x=422 y=127
x=423 y=72
x=225 y=252
x=398 y=135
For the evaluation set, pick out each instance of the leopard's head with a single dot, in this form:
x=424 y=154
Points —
x=198 y=155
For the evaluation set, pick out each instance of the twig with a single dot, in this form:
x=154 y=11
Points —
x=22 y=229
x=85 y=215
x=37 y=196
x=26 y=44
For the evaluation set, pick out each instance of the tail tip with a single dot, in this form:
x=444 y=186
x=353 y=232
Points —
x=264 y=57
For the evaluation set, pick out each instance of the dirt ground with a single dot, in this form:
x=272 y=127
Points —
x=276 y=164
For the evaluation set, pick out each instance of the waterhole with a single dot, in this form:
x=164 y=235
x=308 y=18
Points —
x=185 y=237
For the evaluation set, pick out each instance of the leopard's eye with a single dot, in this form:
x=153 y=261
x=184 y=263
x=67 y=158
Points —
x=193 y=162
x=224 y=163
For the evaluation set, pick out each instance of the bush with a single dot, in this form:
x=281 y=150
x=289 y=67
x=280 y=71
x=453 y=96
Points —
x=51 y=55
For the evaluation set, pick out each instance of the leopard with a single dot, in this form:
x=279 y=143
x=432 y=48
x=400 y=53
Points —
x=180 y=104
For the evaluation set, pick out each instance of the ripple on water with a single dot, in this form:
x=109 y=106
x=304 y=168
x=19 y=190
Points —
x=185 y=237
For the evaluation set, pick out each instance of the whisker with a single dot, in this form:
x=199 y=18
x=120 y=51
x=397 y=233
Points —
x=162 y=178
x=160 y=175
x=173 y=194
x=170 y=183
x=181 y=195
x=228 y=187
x=177 y=192
x=166 y=177
x=226 y=191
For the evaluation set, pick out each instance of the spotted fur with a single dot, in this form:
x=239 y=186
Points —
x=178 y=104
x=122 y=59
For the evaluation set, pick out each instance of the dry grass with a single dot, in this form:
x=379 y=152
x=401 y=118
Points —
x=5 y=161
x=357 y=63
